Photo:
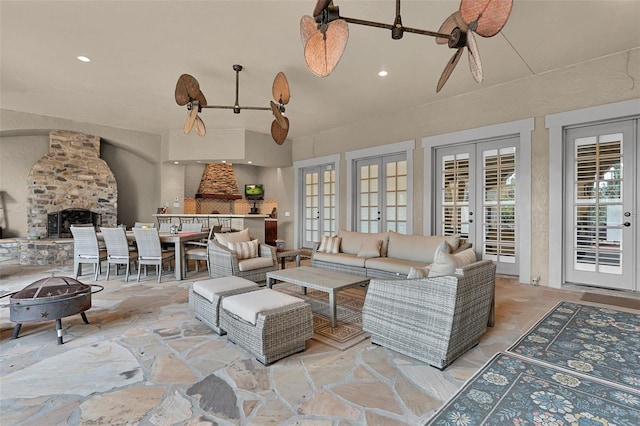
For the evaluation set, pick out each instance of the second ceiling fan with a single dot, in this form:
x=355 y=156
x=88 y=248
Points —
x=188 y=93
x=324 y=35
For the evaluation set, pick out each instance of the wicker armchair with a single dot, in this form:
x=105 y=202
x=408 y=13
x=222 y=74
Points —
x=434 y=320
x=224 y=262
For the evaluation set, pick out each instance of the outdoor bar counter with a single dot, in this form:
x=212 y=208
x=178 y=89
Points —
x=261 y=226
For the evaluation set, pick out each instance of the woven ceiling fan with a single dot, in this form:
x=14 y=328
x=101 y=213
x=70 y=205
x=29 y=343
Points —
x=188 y=93
x=324 y=35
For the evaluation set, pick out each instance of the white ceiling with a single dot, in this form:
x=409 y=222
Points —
x=140 y=48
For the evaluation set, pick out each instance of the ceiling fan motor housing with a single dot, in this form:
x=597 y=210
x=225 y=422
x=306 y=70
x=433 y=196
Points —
x=457 y=39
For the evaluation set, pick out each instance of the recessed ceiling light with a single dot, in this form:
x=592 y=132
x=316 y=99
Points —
x=249 y=162
x=382 y=73
x=198 y=161
x=84 y=59
x=176 y=162
x=224 y=161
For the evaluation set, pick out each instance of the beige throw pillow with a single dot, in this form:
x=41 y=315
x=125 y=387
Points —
x=330 y=245
x=418 y=273
x=244 y=249
x=370 y=248
x=445 y=263
x=232 y=237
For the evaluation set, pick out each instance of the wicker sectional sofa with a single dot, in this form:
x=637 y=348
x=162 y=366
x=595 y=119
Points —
x=434 y=320
x=394 y=257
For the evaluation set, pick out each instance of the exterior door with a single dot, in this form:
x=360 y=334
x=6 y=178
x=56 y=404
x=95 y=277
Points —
x=601 y=231
x=381 y=193
x=476 y=198
x=318 y=203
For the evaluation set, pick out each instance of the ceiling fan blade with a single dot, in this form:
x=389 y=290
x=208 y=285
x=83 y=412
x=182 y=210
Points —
x=474 y=58
x=454 y=20
x=321 y=53
x=280 y=89
x=308 y=28
x=187 y=88
x=486 y=17
x=201 y=130
x=451 y=65
x=281 y=119
x=320 y=6
x=191 y=119
x=200 y=98
x=279 y=134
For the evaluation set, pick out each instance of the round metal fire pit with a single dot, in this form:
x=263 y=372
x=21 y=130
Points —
x=48 y=299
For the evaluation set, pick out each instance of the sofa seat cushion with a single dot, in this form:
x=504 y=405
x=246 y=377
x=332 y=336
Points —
x=390 y=264
x=418 y=248
x=341 y=259
x=215 y=286
x=248 y=305
x=255 y=263
x=352 y=242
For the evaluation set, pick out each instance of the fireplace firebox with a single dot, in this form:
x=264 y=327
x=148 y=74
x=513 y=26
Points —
x=59 y=223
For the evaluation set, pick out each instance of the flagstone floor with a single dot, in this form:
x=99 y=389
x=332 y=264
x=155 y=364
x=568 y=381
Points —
x=144 y=359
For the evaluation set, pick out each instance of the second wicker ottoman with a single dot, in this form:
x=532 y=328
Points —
x=269 y=324
x=205 y=297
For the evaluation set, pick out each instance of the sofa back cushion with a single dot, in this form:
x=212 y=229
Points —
x=232 y=237
x=352 y=242
x=418 y=248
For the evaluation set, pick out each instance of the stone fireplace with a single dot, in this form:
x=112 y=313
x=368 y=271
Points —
x=71 y=176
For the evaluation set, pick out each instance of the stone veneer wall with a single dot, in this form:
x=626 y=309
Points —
x=71 y=175
x=219 y=179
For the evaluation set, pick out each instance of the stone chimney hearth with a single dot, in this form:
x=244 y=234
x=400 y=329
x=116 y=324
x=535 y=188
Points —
x=71 y=176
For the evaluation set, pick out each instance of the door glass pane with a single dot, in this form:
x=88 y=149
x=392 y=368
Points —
x=598 y=204
x=499 y=189
x=455 y=195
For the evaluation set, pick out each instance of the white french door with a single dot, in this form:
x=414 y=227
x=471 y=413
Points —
x=318 y=203
x=476 y=198
x=382 y=194
x=601 y=231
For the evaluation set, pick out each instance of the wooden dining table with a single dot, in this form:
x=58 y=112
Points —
x=178 y=241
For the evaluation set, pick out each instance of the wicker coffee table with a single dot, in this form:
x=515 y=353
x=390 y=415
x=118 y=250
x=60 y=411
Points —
x=318 y=279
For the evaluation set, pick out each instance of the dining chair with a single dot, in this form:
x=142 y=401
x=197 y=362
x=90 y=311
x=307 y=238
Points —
x=191 y=227
x=165 y=227
x=86 y=250
x=142 y=224
x=118 y=252
x=197 y=250
x=150 y=250
x=225 y=223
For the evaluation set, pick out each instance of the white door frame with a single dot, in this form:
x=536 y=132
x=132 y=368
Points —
x=380 y=151
x=297 y=187
x=521 y=129
x=556 y=124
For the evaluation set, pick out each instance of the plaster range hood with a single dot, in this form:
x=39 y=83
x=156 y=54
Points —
x=219 y=182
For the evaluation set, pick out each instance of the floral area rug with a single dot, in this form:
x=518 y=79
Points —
x=595 y=341
x=348 y=331
x=512 y=390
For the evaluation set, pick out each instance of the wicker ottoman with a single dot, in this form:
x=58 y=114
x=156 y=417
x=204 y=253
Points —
x=268 y=324
x=205 y=297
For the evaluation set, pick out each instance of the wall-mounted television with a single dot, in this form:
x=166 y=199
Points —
x=254 y=191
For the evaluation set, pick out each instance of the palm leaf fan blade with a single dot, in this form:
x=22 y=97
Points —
x=451 y=65
x=474 y=58
x=323 y=51
x=486 y=17
x=279 y=134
